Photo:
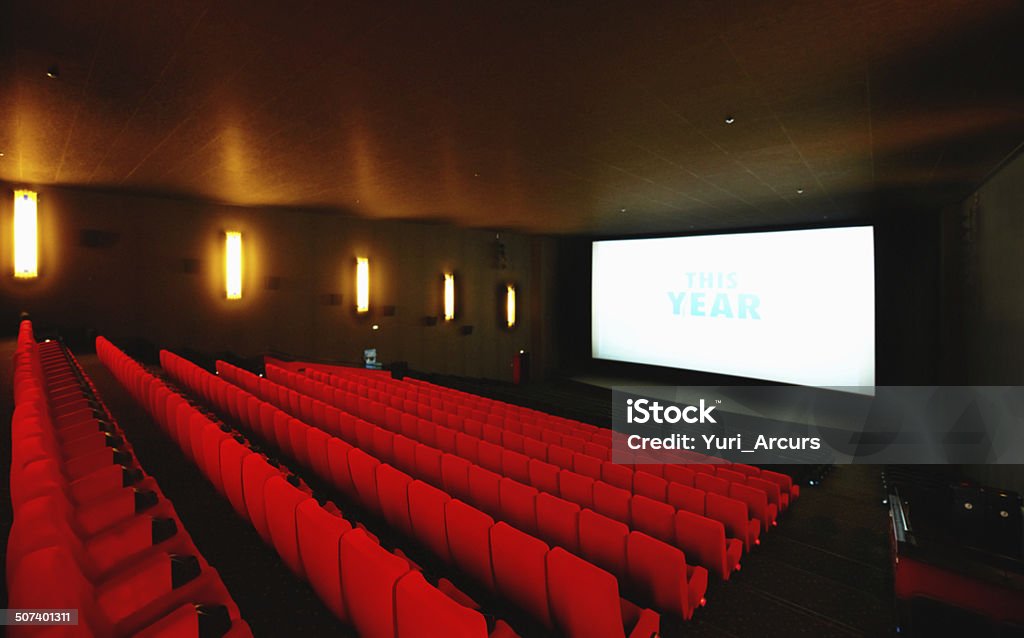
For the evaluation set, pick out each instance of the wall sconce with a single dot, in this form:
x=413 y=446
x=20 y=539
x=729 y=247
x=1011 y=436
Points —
x=233 y=265
x=362 y=284
x=510 y=305
x=449 y=296
x=26 y=235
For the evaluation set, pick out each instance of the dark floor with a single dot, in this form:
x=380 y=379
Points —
x=824 y=571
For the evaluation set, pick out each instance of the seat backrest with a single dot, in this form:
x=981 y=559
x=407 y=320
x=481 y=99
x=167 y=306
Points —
x=338 y=464
x=576 y=488
x=558 y=521
x=316 y=444
x=428 y=464
x=455 y=475
x=731 y=512
x=585 y=599
x=515 y=465
x=661 y=571
x=520 y=570
x=369 y=574
x=703 y=541
x=484 y=488
x=711 y=483
x=469 y=540
x=617 y=475
x=423 y=611
x=518 y=504
x=282 y=501
x=364 y=477
x=730 y=475
x=651 y=486
x=603 y=541
x=489 y=456
x=543 y=476
x=586 y=465
x=684 y=497
x=468 y=447
x=679 y=474
x=427 y=511
x=319 y=533
x=654 y=518
x=612 y=501
x=393 y=493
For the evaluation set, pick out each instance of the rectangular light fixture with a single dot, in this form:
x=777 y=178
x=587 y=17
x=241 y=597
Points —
x=26 y=235
x=449 y=296
x=233 y=265
x=510 y=305
x=362 y=284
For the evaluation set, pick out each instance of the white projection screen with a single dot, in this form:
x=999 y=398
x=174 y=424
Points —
x=791 y=306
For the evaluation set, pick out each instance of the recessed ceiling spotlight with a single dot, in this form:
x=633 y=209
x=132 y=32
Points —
x=53 y=72
x=729 y=119
x=376 y=327
x=799 y=191
x=622 y=210
x=476 y=174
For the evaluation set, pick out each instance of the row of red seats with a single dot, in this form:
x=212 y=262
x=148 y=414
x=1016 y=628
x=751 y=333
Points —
x=762 y=494
x=427 y=400
x=91 y=530
x=709 y=541
x=380 y=593
x=553 y=586
x=650 y=568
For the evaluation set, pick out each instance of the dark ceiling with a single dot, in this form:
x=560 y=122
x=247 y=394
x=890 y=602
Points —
x=549 y=117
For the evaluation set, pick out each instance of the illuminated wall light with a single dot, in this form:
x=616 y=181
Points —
x=233 y=265
x=26 y=235
x=449 y=296
x=510 y=305
x=362 y=284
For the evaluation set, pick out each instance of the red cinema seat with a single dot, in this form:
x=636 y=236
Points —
x=428 y=464
x=771 y=490
x=757 y=503
x=586 y=465
x=617 y=475
x=469 y=539
x=518 y=505
x=735 y=516
x=680 y=474
x=364 y=477
x=427 y=511
x=369 y=574
x=670 y=584
x=393 y=492
x=520 y=570
x=255 y=474
x=651 y=486
x=543 y=476
x=585 y=601
x=703 y=541
x=316 y=444
x=282 y=502
x=732 y=476
x=232 y=457
x=603 y=541
x=711 y=483
x=576 y=488
x=319 y=534
x=515 y=466
x=455 y=475
x=423 y=611
x=612 y=501
x=484 y=489
x=404 y=453
x=338 y=465
x=654 y=518
x=687 y=498
x=558 y=521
